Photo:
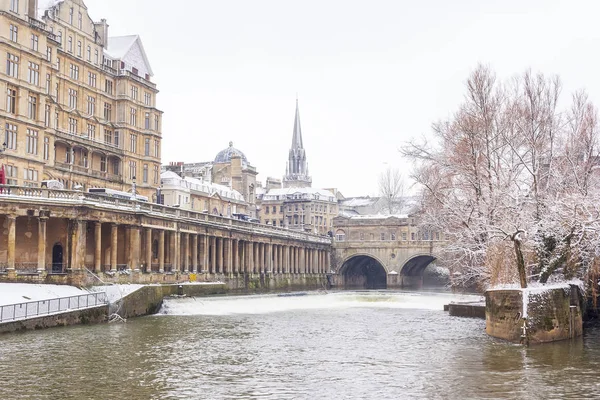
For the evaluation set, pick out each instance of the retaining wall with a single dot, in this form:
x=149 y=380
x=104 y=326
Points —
x=92 y=315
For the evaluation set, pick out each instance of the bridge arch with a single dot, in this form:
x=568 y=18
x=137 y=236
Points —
x=416 y=264
x=363 y=271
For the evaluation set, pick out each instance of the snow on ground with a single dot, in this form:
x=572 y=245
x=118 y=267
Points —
x=115 y=292
x=12 y=293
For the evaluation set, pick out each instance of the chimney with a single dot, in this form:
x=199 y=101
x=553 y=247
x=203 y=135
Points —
x=32 y=6
x=102 y=31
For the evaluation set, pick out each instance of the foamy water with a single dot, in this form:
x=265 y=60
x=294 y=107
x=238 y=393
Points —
x=272 y=303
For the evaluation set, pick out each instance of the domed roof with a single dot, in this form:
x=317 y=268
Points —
x=224 y=156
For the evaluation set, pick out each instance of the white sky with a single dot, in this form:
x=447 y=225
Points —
x=369 y=74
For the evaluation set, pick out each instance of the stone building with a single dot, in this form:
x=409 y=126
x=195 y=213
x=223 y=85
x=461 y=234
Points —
x=230 y=168
x=297 y=205
x=198 y=195
x=303 y=209
x=80 y=106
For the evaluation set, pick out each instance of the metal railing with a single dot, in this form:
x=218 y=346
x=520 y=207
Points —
x=31 y=309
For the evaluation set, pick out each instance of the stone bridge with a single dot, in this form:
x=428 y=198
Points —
x=381 y=252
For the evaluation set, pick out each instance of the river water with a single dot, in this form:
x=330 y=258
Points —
x=344 y=345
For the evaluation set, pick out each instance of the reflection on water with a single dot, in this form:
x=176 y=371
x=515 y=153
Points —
x=361 y=345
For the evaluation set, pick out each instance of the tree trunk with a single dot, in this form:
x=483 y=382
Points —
x=520 y=262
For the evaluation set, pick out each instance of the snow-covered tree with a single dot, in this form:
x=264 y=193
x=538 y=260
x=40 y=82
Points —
x=511 y=180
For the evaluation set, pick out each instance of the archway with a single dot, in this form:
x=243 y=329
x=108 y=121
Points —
x=363 y=272
x=412 y=271
x=416 y=265
x=57 y=258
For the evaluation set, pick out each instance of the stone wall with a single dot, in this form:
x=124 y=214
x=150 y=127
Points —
x=549 y=314
x=92 y=315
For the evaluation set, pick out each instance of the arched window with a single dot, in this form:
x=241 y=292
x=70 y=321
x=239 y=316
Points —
x=340 y=235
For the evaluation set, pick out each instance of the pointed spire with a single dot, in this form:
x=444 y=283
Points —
x=297 y=138
x=296 y=170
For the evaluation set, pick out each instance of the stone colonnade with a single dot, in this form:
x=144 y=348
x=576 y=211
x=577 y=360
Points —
x=111 y=247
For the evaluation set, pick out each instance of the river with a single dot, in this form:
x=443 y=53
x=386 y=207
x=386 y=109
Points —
x=343 y=345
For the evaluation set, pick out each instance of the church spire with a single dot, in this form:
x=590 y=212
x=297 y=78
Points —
x=297 y=137
x=296 y=174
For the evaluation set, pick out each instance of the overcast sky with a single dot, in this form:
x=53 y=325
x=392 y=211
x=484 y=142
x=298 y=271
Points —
x=369 y=74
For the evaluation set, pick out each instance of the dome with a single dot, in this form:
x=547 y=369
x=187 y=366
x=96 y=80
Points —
x=224 y=156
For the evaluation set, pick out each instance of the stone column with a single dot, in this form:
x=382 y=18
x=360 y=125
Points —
x=242 y=258
x=229 y=262
x=297 y=259
x=148 y=250
x=12 y=241
x=78 y=248
x=256 y=261
x=194 y=253
x=316 y=252
x=261 y=258
x=220 y=257
x=114 y=230
x=280 y=259
x=172 y=250
x=268 y=265
x=42 y=244
x=235 y=266
x=178 y=264
x=250 y=267
x=98 y=247
x=205 y=253
x=213 y=255
x=186 y=252
x=161 y=252
x=134 y=248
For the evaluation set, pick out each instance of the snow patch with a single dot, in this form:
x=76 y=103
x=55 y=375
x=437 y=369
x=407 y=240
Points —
x=13 y=293
x=116 y=292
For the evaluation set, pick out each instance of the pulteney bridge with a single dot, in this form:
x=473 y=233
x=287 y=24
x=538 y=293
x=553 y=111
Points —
x=377 y=252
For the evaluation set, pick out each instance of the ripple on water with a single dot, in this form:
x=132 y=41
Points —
x=376 y=345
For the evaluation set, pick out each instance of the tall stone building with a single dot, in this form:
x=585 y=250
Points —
x=78 y=106
x=297 y=205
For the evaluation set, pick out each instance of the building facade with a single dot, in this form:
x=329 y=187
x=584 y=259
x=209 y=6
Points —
x=229 y=170
x=77 y=106
x=197 y=195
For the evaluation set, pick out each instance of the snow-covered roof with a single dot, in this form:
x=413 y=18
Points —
x=359 y=201
x=378 y=216
x=45 y=5
x=130 y=50
x=119 y=45
x=169 y=174
x=170 y=178
x=299 y=193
